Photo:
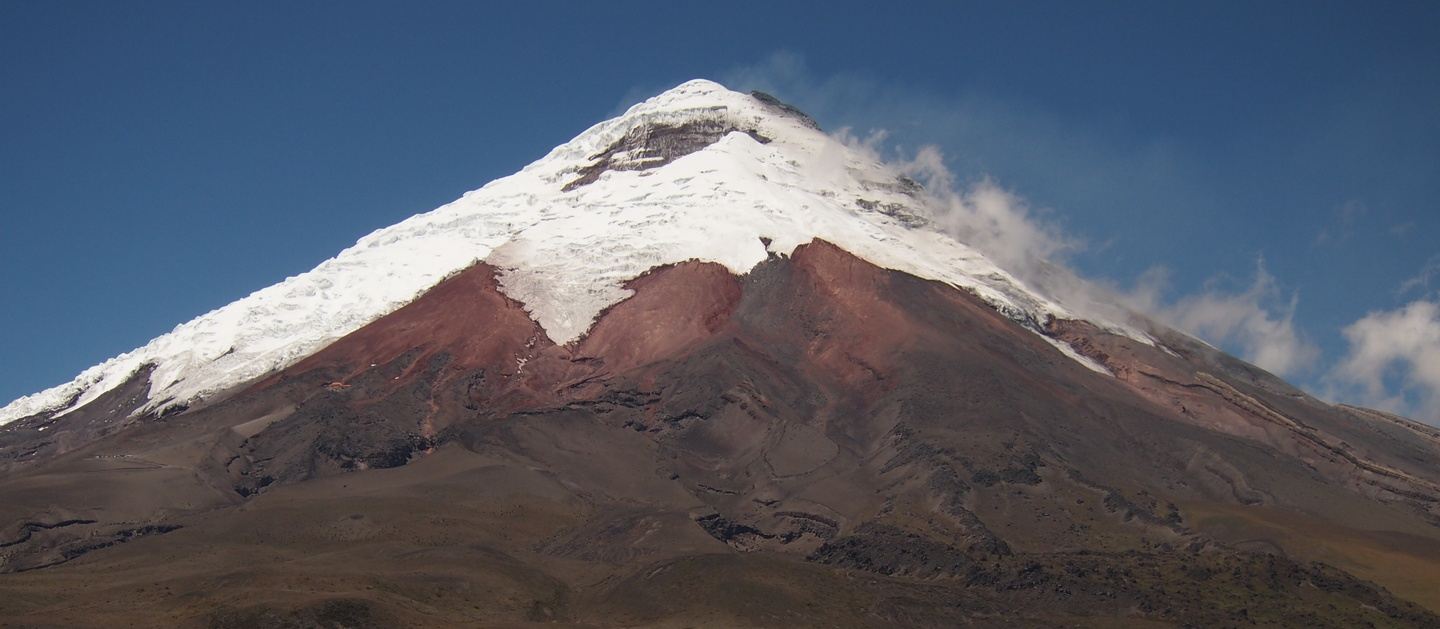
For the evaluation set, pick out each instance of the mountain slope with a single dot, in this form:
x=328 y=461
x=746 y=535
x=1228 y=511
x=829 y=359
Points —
x=826 y=434
x=569 y=230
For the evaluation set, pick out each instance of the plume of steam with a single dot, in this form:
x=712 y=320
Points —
x=989 y=218
x=1259 y=319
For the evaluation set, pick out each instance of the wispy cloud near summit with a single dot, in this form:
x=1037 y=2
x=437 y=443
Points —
x=1132 y=193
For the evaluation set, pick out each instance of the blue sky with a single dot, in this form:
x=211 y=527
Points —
x=1266 y=176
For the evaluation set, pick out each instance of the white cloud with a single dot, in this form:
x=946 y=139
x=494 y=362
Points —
x=1393 y=361
x=988 y=217
x=982 y=214
x=1260 y=320
x=1422 y=280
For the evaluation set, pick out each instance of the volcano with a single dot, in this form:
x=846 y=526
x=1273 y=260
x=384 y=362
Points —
x=703 y=365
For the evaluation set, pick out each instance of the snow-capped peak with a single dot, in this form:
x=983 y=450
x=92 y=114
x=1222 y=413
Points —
x=697 y=172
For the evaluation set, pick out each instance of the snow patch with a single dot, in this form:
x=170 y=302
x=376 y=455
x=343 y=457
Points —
x=1088 y=362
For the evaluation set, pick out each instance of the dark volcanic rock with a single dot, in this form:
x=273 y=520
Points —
x=657 y=144
x=887 y=550
x=784 y=108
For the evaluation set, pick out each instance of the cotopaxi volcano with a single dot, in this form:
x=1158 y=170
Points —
x=703 y=365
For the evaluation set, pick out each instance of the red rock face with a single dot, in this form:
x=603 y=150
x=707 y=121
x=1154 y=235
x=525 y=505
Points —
x=821 y=408
x=673 y=310
x=851 y=329
x=465 y=316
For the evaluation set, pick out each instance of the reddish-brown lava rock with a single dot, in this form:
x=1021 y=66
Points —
x=851 y=330
x=465 y=315
x=673 y=308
